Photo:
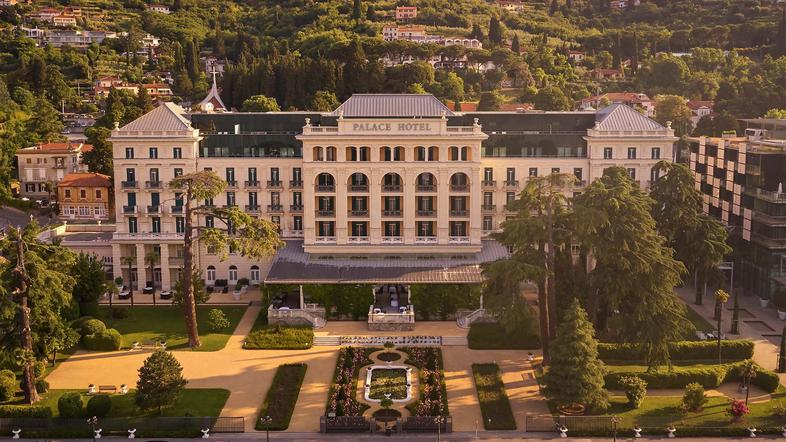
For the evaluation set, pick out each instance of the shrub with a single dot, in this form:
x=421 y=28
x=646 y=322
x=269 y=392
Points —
x=217 y=320
x=99 y=405
x=120 y=313
x=70 y=405
x=738 y=408
x=283 y=338
x=36 y=411
x=635 y=389
x=92 y=327
x=109 y=340
x=733 y=350
x=41 y=386
x=39 y=368
x=242 y=282
x=7 y=385
x=694 y=397
x=708 y=377
x=491 y=336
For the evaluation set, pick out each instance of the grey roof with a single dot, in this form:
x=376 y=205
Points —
x=214 y=97
x=392 y=105
x=623 y=117
x=293 y=265
x=167 y=116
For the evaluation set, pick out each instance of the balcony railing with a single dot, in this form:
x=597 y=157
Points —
x=767 y=195
x=511 y=183
x=426 y=212
x=489 y=183
x=252 y=207
x=230 y=205
x=392 y=212
x=59 y=166
x=358 y=239
x=392 y=187
x=275 y=207
x=358 y=212
x=153 y=184
x=175 y=209
x=459 y=187
x=296 y=208
x=489 y=207
x=296 y=184
x=425 y=240
x=326 y=212
x=153 y=209
x=129 y=210
x=458 y=240
x=358 y=187
x=426 y=188
x=326 y=187
x=325 y=239
x=392 y=240
x=252 y=184
x=274 y=184
x=459 y=212
x=129 y=184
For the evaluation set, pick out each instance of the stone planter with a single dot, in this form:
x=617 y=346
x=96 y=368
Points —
x=764 y=302
x=781 y=315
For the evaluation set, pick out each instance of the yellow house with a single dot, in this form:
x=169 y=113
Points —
x=84 y=196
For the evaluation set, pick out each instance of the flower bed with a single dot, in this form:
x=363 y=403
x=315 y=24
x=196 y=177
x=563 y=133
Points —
x=433 y=398
x=494 y=403
x=282 y=397
x=343 y=390
x=388 y=380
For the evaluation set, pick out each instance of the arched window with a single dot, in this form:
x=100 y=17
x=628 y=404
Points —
x=319 y=153
x=392 y=182
x=330 y=153
x=358 y=182
x=433 y=153
x=232 y=274
x=211 y=274
x=458 y=153
x=420 y=154
x=255 y=276
x=426 y=182
x=387 y=153
x=459 y=182
x=325 y=182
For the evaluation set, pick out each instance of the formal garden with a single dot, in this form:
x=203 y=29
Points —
x=264 y=336
x=279 y=404
x=493 y=400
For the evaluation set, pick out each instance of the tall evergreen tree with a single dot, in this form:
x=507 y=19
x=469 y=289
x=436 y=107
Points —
x=495 y=32
x=355 y=72
x=780 y=38
x=575 y=375
x=782 y=353
x=160 y=381
x=143 y=100
x=357 y=10
x=477 y=32
x=89 y=284
x=515 y=45
x=98 y=159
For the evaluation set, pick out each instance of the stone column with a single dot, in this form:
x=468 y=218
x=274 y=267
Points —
x=166 y=283
x=141 y=271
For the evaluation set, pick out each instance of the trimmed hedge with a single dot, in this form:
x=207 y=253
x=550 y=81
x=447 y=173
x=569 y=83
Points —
x=99 y=405
x=492 y=336
x=494 y=403
x=36 y=411
x=733 y=350
x=92 y=327
x=281 y=337
x=7 y=385
x=710 y=377
x=108 y=340
x=70 y=405
x=282 y=396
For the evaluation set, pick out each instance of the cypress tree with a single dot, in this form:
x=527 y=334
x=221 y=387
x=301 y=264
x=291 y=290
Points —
x=782 y=353
x=780 y=39
x=143 y=100
x=515 y=45
x=575 y=375
x=554 y=7
x=495 y=31
x=477 y=33
x=357 y=10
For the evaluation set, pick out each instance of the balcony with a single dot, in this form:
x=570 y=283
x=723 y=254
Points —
x=392 y=212
x=489 y=183
x=325 y=239
x=458 y=240
x=153 y=184
x=459 y=212
x=358 y=187
x=59 y=166
x=176 y=209
x=129 y=210
x=425 y=240
x=252 y=184
x=230 y=205
x=296 y=208
x=459 y=187
x=129 y=184
x=153 y=209
x=392 y=187
x=252 y=207
x=326 y=187
x=489 y=207
x=512 y=183
x=358 y=212
x=426 y=212
x=767 y=195
x=275 y=208
x=176 y=261
x=275 y=184
x=232 y=184
x=296 y=184
x=392 y=240
x=358 y=239
x=326 y=212
x=426 y=187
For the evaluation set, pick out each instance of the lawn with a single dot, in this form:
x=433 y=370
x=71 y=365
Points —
x=698 y=321
x=491 y=336
x=166 y=323
x=282 y=396
x=494 y=403
x=384 y=380
x=191 y=402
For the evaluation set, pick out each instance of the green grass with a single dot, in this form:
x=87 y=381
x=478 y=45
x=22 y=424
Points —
x=491 y=336
x=393 y=381
x=494 y=403
x=683 y=366
x=282 y=396
x=192 y=402
x=166 y=323
x=266 y=337
x=698 y=321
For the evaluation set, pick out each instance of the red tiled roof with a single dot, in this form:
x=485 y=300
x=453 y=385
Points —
x=56 y=147
x=695 y=104
x=85 y=179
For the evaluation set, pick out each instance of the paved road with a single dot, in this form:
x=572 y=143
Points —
x=11 y=216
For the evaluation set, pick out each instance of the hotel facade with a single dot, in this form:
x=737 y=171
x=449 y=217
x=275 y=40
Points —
x=385 y=189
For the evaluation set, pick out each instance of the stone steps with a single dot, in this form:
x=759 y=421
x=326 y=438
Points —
x=454 y=340
x=327 y=340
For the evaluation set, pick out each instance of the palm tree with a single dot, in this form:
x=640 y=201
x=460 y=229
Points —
x=720 y=298
x=129 y=261
x=151 y=259
x=747 y=371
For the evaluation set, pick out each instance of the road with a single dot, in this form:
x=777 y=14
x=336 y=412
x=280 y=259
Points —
x=10 y=216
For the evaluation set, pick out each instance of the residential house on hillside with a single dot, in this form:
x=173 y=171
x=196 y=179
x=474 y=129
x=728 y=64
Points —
x=43 y=165
x=406 y=12
x=606 y=74
x=636 y=100
x=85 y=196
x=161 y=9
x=699 y=109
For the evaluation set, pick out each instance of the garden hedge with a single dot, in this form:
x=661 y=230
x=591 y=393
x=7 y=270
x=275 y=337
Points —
x=36 y=411
x=709 y=377
x=108 y=340
x=733 y=350
x=282 y=396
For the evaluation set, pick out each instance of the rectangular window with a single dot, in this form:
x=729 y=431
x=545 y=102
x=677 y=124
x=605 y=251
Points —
x=132 y=225
x=510 y=197
x=131 y=196
x=488 y=174
x=488 y=223
x=230 y=199
x=153 y=152
x=632 y=173
x=297 y=223
x=177 y=153
x=297 y=174
x=209 y=222
x=554 y=170
x=656 y=153
x=252 y=199
x=155 y=223
x=82 y=194
x=98 y=194
x=533 y=171
x=578 y=172
x=130 y=175
x=178 y=171
x=631 y=153
x=252 y=174
x=608 y=153
x=230 y=174
x=277 y=221
x=274 y=174
x=297 y=198
x=66 y=193
x=180 y=224
x=129 y=153
x=510 y=173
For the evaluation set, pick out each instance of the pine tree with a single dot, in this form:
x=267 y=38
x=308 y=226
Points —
x=357 y=10
x=160 y=381
x=515 y=45
x=477 y=32
x=575 y=375
x=780 y=39
x=495 y=31
x=89 y=285
x=143 y=100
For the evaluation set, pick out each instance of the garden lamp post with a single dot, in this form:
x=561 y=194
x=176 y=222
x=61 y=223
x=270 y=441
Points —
x=266 y=422
x=439 y=420
x=720 y=298
x=614 y=421
x=93 y=421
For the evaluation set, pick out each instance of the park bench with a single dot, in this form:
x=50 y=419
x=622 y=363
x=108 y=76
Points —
x=107 y=388
x=148 y=345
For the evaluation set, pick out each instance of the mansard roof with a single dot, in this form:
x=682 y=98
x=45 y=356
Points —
x=392 y=105
x=167 y=116
x=624 y=118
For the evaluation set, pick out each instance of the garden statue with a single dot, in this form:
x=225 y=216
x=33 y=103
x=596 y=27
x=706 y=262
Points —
x=563 y=431
x=131 y=434
x=672 y=431
x=205 y=433
x=19 y=430
x=752 y=431
x=637 y=432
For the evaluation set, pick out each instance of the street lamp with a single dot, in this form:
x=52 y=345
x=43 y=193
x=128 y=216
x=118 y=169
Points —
x=439 y=420
x=266 y=421
x=93 y=421
x=614 y=421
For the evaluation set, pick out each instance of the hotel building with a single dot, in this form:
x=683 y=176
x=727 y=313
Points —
x=386 y=189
